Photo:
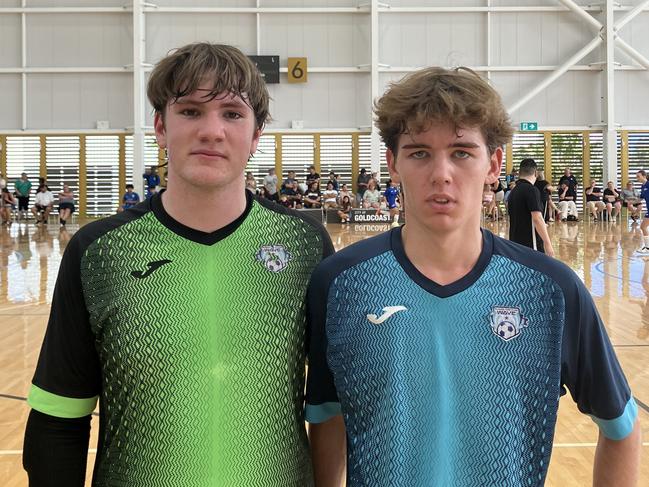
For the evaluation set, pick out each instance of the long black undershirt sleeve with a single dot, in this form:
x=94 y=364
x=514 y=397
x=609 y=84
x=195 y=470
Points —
x=55 y=452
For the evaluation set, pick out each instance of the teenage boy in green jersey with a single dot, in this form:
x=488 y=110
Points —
x=183 y=316
x=450 y=372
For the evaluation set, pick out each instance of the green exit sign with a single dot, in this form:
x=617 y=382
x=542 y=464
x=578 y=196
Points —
x=529 y=125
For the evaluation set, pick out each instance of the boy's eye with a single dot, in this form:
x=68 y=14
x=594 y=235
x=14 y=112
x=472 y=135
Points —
x=420 y=154
x=460 y=154
x=233 y=115
x=189 y=112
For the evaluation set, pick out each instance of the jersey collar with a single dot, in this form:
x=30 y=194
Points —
x=192 y=234
x=432 y=287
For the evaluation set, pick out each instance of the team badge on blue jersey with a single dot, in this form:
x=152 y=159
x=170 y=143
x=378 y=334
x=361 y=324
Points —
x=507 y=323
x=274 y=257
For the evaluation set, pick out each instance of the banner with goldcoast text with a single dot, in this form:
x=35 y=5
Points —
x=361 y=215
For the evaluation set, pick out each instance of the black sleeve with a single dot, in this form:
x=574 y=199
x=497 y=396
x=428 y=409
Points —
x=590 y=370
x=67 y=380
x=55 y=452
x=321 y=397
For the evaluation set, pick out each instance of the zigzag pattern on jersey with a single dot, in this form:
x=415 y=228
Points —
x=204 y=358
x=154 y=369
x=432 y=396
x=272 y=323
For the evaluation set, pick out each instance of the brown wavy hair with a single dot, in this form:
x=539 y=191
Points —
x=229 y=70
x=437 y=95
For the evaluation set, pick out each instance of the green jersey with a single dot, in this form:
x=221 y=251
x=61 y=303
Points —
x=23 y=187
x=193 y=343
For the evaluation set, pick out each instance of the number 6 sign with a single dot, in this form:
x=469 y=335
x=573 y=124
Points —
x=297 y=70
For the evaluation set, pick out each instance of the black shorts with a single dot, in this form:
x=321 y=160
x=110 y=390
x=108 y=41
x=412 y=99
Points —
x=67 y=206
x=23 y=203
x=41 y=207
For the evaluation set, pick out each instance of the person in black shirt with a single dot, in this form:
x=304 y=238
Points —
x=361 y=183
x=545 y=189
x=312 y=196
x=333 y=180
x=594 y=201
x=526 y=224
x=567 y=205
x=569 y=179
x=313 y=177
x=612 y=201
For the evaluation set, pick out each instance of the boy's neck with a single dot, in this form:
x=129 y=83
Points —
x=206 y=210
x=443 y=258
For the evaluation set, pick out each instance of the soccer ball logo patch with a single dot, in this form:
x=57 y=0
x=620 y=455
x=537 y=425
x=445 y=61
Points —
x=274 y=257
x=507 y=323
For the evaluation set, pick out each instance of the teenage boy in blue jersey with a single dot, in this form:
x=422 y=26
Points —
x=451 y=374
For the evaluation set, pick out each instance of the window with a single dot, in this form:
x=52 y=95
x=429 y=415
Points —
x=102 y=168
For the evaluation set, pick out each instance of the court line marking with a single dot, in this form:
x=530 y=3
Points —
x=641 y=404
x=9 y=396
x=599 y=267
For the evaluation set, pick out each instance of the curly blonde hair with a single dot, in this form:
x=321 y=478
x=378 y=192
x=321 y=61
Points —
x=438 y=95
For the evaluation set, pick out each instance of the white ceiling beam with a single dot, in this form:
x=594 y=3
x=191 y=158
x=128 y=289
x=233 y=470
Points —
x=65 y=10
x=258 y=10
x=628 y=17
x=622 y=45
x=582 y=13
x=556 y=74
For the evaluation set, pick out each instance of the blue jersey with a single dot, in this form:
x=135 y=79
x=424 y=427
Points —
x=130 y=199
x=644 y=193
x=152 y=180
x=391 y=194
x=459 y=384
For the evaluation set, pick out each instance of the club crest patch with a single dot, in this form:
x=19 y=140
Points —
x=274 y=257
x=507 y=323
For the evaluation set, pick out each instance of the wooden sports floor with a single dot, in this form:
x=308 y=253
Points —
x=601 y=253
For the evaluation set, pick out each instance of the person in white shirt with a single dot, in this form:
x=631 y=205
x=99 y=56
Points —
x=270 y=183
x=330 y=196
x=43 y=204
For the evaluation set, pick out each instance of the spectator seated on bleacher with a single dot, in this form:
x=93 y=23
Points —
x=567 y=205
x=345 y=192
x=631 y=201
x=594 y=203
x=612 y=201
x=312 y=196
x=43 y=204
x=372 y=196
x=290 y=190
x=7 y=204
x=345 y=209
x=330 y=196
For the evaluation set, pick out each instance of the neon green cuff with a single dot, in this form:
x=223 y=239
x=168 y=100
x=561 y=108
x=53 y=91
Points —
x=60 y=406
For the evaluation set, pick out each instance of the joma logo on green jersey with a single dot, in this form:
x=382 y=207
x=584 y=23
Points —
x=152 y=267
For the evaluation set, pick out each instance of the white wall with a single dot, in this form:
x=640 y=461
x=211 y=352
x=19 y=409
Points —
x=330 y=41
